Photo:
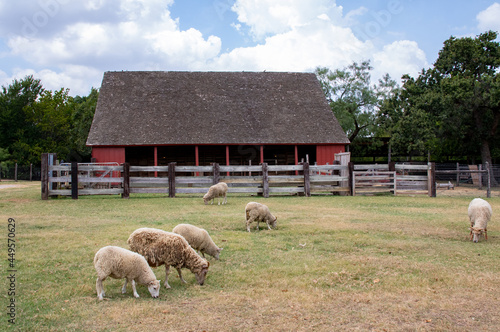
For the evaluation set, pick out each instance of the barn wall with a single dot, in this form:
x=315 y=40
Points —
x=105 y=154
x=326 y=153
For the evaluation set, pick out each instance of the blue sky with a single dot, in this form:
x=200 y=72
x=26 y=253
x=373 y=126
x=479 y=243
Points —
x=71 y=44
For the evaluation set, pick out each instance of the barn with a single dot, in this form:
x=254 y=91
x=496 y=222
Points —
x=152 y=118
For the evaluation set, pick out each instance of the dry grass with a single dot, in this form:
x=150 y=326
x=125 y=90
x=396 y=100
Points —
x=352 y=263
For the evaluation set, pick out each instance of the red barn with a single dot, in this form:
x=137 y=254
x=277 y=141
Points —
x=197 y=118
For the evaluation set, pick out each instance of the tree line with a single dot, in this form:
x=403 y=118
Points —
x=450 y=109
x=34 y=120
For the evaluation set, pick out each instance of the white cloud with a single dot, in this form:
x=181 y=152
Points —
x=78 y=78
x=86 y=38
x=269 y=17
x=399 y=58
x=139 y=35
x=488 y=19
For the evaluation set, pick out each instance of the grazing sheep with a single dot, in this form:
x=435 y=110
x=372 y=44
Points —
x=119 y=263
x=217 y=190
x=199 y=239
x=160 y=247
x=479 y=215
x=259 y=212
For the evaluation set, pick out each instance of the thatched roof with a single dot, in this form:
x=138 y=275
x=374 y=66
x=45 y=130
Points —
x=157 y=108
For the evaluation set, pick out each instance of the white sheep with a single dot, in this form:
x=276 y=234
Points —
x=119 y=263
x=479 y=215
x=259 y=212
x=217 y=190
x=160 y=247
x=199 y=239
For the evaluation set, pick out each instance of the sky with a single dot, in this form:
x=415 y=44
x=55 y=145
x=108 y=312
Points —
x=70 y=44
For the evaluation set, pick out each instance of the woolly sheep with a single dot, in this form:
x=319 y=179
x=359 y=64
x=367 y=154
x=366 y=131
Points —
x=217 y=190
x=119 y=263
x=199 y=239
x=259 y=212
x=479 y=215
x=160 y=247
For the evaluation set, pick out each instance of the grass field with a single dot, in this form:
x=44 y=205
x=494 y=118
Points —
x=378 y=263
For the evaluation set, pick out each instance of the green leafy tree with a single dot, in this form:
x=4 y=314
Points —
x=14 y=125
x=467 y=69
x=48 y=120
x=452 y=108
x=353 y=99
x=81 y=120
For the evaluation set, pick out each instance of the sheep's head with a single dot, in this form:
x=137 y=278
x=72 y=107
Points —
x=206 y=199
x=476 y=233
x=217 y=253
x=274 y=223
x=154 y=288
x=200 y=276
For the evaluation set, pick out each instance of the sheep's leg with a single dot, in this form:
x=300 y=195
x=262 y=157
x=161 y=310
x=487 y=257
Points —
x=249 y=221
x=180 y=275
x=99 y=288
x=224 y=201
x=471 y=235
x=268 y=226
x=485 y=234
x=124 y=288
x=167 y=271
x=133 y=288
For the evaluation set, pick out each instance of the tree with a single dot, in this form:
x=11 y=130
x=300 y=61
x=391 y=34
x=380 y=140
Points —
x=452 y=108
x=408 y=116
x=14 y=124
x=48 y=120
x=81 y=120
x=352 y=99
x=467 y=69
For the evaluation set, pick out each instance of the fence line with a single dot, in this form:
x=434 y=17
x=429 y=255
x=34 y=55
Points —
x=100 y=179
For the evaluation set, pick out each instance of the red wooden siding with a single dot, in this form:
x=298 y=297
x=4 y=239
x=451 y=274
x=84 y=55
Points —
x=326 y=153
x=105 y=155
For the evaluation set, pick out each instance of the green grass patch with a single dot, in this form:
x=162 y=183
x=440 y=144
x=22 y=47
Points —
x=334 y=262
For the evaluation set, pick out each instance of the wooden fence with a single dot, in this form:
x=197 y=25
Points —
x=398 y=179
x=264 y=179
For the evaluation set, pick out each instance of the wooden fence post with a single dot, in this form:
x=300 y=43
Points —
x=307 y=180
x=458 y=174
x=265 y=180
x=431 y=176
x=74 y=180
x=480 y=177
x=488 y=191
x=171 y=179
x=126 y=180
x=15 y=173
x=45 y=176
x=351 y=178
x=216 y=173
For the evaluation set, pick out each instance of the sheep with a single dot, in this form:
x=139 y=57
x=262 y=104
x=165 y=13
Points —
x=160 y=247
x=199 y=239
x=119 y=263
x=217 y=190
x=259 y=212
x=479 y=215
